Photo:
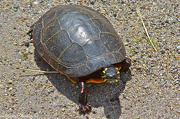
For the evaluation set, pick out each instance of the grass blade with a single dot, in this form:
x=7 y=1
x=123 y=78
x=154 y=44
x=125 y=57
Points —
x=137 y=39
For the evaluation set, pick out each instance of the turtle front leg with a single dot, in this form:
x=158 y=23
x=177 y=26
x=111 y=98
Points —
x=124 y=65
x=83 y=104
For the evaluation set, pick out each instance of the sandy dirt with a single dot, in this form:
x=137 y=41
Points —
x=151 y=89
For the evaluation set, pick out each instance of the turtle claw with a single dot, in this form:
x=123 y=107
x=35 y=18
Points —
x=85 y=108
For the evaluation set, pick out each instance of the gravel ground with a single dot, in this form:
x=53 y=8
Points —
x=149 y=90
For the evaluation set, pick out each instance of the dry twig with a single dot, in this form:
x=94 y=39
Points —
x=140 y=16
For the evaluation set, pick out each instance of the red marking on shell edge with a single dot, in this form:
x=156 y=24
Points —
x=66 y=71
x=37 y=51
x=49 y=61
x=44 y=59
x=42 y=56
x=57 y=67
x=36 y=45
x=61 y=72
x=52 y=66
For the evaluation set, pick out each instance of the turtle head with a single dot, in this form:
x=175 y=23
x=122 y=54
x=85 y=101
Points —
x=111 y=74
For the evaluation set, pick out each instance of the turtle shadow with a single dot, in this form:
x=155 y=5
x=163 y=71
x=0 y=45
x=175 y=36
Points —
x=104 y=95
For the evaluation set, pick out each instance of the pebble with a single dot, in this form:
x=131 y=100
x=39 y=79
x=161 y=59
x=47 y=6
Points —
x=10 y=89
x=16 y=6
x=178 y=47
x=162 y=52
x=92 y=1
x=35 y=2
x=126 y=44
x=127 y=40
x=1 y=86
x=136 y=51
x=52 y=90
x=9 y=81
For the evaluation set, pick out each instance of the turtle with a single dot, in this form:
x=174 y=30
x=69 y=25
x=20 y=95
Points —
x=80 y=43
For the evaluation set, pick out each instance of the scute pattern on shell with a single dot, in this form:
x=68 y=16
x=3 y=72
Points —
x=77 y=40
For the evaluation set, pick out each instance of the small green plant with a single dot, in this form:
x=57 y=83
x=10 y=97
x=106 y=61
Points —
x=131 y=50
x=25 y=56
x=137 y=39
x=151 y=41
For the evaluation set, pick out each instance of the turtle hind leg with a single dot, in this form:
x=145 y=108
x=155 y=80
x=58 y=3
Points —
x=83 y=104
x=31 y=37
x=31 y=30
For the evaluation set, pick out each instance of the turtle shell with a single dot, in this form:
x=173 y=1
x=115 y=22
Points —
x=77 y=40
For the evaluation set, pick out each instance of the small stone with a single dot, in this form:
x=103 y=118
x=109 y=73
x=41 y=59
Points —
x=164 y=65
x=144 y=65
x=162 y=51
x=26 y=44
x=134 y=70
x=52 y=90
x=63 y=110
x=145 y=86
x=31 y=50
x=136 y=51
x=127 y=40
x=9 y=81
x=143 y=7
x=114 y=15
x=92 y=2
x=1 y=86
x=134 y=60
x=10 y=89
x=178 y=47
x=131 y=54
x=16 y=6
x=35 y=2
x=166 y=48
x=167 y=21
x=177 y=81
x=125 y=43
x=56 y=97
x=94 y=112
x=54 y=104
x=15 y=43
x=30 y=5
x=147 y=52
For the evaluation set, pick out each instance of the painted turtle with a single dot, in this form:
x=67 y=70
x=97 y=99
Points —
x=80 y=43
